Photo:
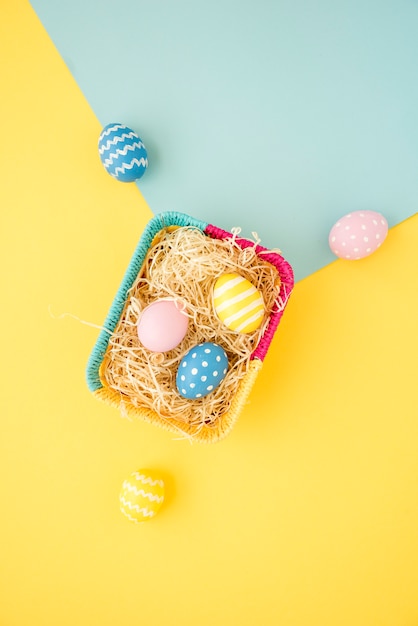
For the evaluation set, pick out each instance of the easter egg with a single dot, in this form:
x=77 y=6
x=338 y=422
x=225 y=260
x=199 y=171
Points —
x=162 y=325
x=237 y=303
x=201 y=370
x=122 y=153
x=141 y=496
x=358 y=234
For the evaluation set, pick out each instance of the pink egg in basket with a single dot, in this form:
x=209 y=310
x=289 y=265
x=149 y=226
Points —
x=358 y=234
x=162 y=325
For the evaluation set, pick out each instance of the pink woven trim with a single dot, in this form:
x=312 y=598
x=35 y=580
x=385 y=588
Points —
x=287 y=282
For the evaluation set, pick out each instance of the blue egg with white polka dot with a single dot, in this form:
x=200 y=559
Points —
x=122 y=153
x=201 y=370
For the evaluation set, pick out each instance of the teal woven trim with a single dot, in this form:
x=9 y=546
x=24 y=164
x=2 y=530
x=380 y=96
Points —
x=160 y=221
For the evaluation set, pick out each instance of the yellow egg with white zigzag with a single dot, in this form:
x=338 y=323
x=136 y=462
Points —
x=141 y=496
x=238 y=304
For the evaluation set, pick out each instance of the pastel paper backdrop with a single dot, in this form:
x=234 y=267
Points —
x=276 y=116
x=306 y=514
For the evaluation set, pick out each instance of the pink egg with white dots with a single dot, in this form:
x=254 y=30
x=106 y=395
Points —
x=358 y=234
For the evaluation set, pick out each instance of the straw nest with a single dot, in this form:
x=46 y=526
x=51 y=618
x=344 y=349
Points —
x=184 y=263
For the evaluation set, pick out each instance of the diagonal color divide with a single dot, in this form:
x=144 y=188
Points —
x=276 y=117
x=306 y=514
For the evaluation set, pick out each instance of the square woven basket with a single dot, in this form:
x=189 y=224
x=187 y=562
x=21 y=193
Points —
x=215 y=431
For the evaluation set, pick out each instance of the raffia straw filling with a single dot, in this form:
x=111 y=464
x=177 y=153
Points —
x=184 y=264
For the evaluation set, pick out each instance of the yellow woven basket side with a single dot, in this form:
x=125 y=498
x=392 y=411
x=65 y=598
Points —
x=207 y=434
x=231 y=416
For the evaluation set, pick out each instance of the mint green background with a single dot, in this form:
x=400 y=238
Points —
x=276 y=116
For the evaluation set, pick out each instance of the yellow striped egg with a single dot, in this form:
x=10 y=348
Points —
x=141 y=496
x=238 y=304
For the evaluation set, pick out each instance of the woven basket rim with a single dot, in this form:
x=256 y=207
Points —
x=154 y=226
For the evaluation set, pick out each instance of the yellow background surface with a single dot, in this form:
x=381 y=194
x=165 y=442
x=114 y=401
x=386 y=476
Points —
x=306 y=514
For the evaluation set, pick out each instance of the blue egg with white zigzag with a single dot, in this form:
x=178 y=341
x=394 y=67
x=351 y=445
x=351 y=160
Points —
x=122 y=153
